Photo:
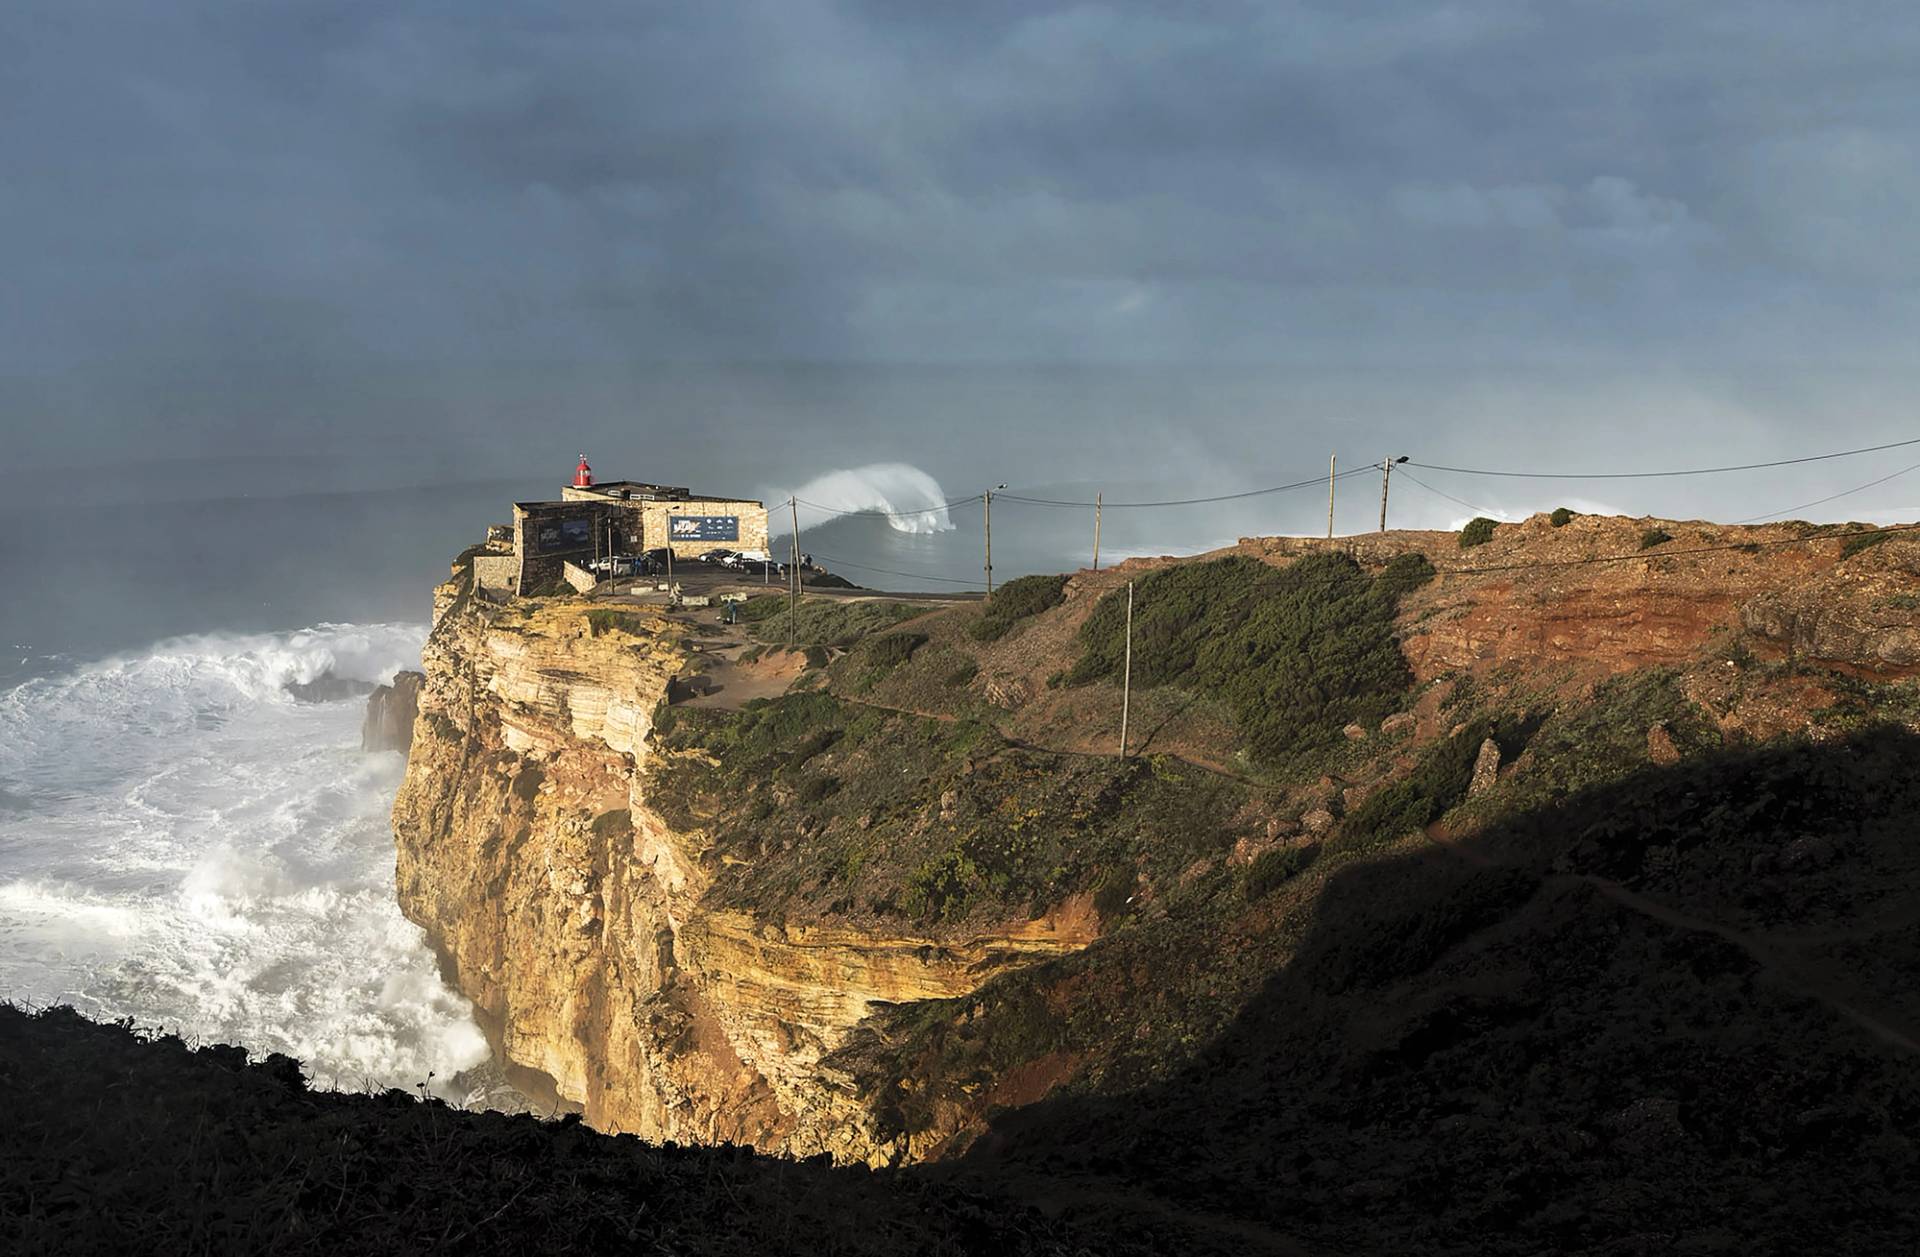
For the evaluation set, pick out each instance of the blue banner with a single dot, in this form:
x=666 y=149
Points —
x=703 y=528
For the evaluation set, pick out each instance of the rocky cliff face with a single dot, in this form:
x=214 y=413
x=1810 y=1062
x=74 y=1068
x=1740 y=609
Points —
x=576 y=917
x=859 y=920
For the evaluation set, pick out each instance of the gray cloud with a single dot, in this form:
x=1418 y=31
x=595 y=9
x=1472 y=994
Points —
x=1490 y=226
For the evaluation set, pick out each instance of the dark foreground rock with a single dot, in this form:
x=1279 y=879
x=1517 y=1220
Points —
x=119 y=1143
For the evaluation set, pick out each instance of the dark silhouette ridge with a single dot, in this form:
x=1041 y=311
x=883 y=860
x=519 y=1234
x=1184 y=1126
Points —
x=117 y=1142
x=1670 y=1014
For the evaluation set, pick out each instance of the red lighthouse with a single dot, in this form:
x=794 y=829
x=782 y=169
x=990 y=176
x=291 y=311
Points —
x=583 y=475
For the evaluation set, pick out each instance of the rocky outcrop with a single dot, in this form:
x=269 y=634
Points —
x=391 y=711
x=576 y=918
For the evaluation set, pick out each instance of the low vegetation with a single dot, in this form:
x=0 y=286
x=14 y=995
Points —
x=1478 y=532
x=1295 y=652
x=1561 y=517
x=1014 y=602
x=933 y=822
x=1863 y=541
x=1654 y=537
x=890 y=650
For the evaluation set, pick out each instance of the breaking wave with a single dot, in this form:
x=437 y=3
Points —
x=908 y=498
x=186 y=844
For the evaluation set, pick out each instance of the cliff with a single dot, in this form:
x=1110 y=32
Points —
x=584 y=925
x=896 y=898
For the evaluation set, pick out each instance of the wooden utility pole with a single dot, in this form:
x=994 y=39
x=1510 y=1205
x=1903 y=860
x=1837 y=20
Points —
x=1386 y=474
x=1333 y=461
x=1126 y=676
x=793 y=573
x=1096 y=532
x=989 y=507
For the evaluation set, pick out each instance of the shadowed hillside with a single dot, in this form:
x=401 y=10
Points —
x=1673 y=1013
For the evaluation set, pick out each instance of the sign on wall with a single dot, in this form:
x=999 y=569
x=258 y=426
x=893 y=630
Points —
x=565 y=534
x=703 y=527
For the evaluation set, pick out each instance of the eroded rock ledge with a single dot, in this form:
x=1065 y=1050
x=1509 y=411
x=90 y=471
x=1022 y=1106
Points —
x=572 y=913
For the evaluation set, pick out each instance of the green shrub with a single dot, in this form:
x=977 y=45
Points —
x=1862 y=541
x=1015 y=601
x=816 y=656
x=1438 y=783
x=1561 y=517
x=1478 y=532
x=814 y=789
x=1406 y=573
x=1654 y=537
x=1272 y=868
x=890 y=650
x=962 y=674
x=1296 y=652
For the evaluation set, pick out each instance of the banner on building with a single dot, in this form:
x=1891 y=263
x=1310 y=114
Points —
x=703 y=527
x=565 y=534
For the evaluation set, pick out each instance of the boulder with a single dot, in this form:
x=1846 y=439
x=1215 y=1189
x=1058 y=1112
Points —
x=1806 y=852
x=1355 y=733
x=1397 y=722
x=1008 y=693
x=1660 y=747
x=1318 y=821
x=1486 y=767
x=391 y=710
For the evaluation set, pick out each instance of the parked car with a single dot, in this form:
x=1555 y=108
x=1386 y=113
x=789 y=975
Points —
x=717 y=556
x=654 y=562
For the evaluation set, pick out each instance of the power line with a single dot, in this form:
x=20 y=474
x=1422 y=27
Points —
x=887 y=571
x=1643 y=475
x=1367 y=469
x=1477 y=510
x=1664 y=554
x=1830 y=497
x=879 y=514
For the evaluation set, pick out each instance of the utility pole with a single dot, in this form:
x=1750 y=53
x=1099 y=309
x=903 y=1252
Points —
x=793 y=572
x=1096 y=532
x=989 y=506
x=988 y=498
x=1333 y=461
x=1126 y=676
x=1386 y=475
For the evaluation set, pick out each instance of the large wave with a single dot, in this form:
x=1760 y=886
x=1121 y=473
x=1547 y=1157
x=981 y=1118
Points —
x=185 y=843
x=909 y=499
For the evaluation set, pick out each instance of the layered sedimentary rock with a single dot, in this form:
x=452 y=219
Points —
x=573 y=915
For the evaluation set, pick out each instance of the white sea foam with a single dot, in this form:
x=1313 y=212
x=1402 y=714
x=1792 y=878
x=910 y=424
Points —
x=907 y=498
x=186 y=844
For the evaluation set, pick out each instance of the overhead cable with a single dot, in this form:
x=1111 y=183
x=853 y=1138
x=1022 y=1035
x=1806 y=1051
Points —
x=1364 y=469
x=1832 y=497
x=1644 y=475
x=887 y=571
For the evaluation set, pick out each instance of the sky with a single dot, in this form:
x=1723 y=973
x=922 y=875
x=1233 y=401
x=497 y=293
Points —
x=1204 y=245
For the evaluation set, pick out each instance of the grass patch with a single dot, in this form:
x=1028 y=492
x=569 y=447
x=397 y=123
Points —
x=1014 y=602
x=603 y=620
x=1296 y=653
x=962 y=674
